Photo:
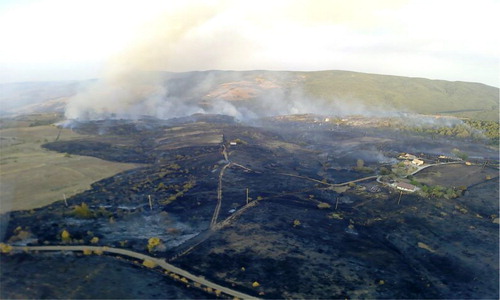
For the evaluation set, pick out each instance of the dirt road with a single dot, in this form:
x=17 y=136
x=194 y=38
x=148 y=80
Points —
x=163 y=264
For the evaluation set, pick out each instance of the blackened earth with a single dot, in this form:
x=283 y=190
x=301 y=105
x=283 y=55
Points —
x=369 y=246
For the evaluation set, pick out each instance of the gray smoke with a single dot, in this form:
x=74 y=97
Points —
x=203 y=36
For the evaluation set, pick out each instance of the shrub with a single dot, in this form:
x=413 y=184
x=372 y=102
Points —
x=82 y=211
x=153 y=243
x=323 y=205
x=161 y=186
x=65 y=236
x=460 y=154
x=240 y=142
x=149 y=263
x=5 y=248
x=384 y=171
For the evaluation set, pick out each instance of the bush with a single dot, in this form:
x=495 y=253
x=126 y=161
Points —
x=153 y=243
x=65 y=236
x=5 y=248
x=324 y=205
x=83 y=211
x=148 y=263
x=460 y=154
x=240 y=142
x=384 y=171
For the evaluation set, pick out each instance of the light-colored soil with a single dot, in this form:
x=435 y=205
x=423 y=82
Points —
x=31 y=176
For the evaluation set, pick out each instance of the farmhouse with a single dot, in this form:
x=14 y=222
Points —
x=406 y=187
x=417 y=162
x=407 y=156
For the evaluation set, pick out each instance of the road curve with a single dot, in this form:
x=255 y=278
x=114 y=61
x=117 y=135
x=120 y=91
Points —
x=219 y=197
x=163 y=264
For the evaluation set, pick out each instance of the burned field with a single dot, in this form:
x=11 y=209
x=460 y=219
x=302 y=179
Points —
x=274 y=210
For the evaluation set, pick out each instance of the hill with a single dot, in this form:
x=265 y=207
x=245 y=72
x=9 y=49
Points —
x=425 y=96
x=265 y=93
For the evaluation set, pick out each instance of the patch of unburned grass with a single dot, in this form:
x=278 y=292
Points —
x=455 y=175
x=31 y=176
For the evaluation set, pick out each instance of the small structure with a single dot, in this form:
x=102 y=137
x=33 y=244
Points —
x=448 y=158
x=407 y=156
x=406 y=187
x=417 y=162
x=233 y=143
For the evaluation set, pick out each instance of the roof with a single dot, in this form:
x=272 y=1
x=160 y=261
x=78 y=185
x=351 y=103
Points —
x=406 y=186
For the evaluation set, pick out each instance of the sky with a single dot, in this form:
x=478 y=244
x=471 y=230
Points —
x=45 y=40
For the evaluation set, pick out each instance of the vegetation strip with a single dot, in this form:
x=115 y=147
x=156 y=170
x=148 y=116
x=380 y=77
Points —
x=166 y=266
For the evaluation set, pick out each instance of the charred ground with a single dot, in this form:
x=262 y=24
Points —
x=283 y=222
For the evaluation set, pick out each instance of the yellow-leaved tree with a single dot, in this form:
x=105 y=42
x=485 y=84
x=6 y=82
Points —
x=65 y=236
x=153 y=243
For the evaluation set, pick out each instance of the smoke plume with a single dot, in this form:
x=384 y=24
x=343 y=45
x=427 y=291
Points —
x=208 y=36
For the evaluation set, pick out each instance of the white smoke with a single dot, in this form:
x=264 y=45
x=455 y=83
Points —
x=198 y=36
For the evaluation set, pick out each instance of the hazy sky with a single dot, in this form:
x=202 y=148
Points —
x=78 y=39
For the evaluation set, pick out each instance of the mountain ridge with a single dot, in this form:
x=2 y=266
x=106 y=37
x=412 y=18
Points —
x=385 y=92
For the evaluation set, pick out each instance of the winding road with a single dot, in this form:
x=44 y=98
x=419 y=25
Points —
x=200 y=281
x=219 y=197
x=127 y=253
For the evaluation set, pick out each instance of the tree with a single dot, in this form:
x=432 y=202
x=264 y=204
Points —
x=5 y=248
x=153 y=243
x=65 y=236
x=384 y=171
x=460 y=154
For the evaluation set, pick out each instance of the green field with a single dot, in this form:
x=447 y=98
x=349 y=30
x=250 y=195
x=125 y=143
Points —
x=31 y=176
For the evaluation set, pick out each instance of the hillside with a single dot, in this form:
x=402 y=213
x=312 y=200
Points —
x=281 y=92
x=419 y=95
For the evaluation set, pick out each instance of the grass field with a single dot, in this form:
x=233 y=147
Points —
x=455 y=175
x=31 y=176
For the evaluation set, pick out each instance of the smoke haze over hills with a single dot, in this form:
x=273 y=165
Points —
x=207 y=35
x=252 y=94
x=181 y=36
